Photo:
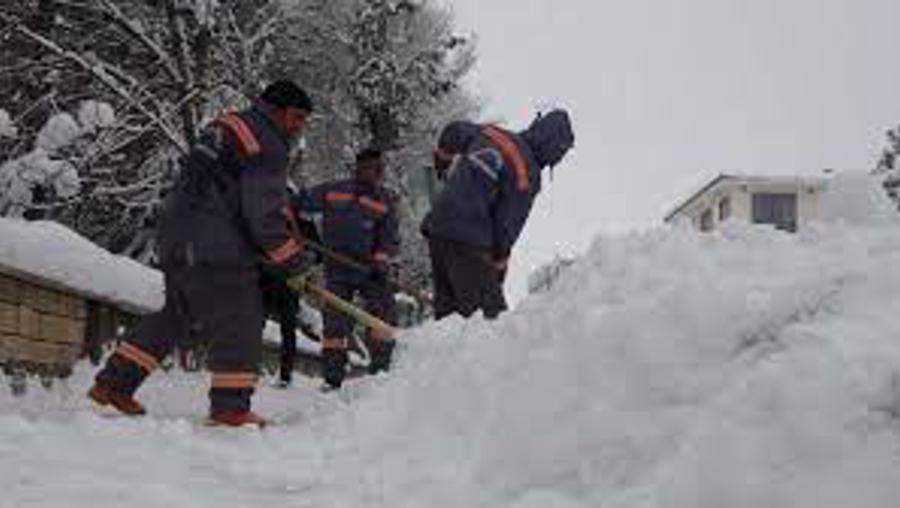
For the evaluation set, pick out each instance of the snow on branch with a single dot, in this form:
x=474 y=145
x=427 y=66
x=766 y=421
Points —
x=25 y=181
x=97 y=69
x=7 y=128
x=137 y=31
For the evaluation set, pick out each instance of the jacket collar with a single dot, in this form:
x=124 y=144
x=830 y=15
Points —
x=267 y=112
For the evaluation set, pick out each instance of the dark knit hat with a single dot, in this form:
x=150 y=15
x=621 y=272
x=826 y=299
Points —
x=286 y=94
x=368 y=154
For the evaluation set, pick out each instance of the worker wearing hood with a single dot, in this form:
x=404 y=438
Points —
x=492 y=177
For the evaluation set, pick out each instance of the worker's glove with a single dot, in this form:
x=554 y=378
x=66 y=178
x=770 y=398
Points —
x=498 y=263
x=381 y=269
x=298 y=264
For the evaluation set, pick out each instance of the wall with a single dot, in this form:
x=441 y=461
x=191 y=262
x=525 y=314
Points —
x=40 y=328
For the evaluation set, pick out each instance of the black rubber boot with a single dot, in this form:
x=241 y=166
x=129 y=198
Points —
x=121 y=375
x=334 y=367
x=381 y=352
x=285 y=372
x=115 y=385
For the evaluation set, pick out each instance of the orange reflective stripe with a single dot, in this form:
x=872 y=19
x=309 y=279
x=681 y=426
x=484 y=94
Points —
x=511 y=153
x=137 y=355
x=373 y=205
x=286 y=251
x=334 y=343
x=246 y=139
x=339 y=197
x=235 y=380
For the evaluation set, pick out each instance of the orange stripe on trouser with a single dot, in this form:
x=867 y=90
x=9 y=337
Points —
x=511 y=153
x=234 y=380
x=143 y=359
x=334 y=343
x=248 y=142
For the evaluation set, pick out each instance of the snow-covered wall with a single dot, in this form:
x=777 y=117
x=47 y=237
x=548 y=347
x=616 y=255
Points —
x=58 y=255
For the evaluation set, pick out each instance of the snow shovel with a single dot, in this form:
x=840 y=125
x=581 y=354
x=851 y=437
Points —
x=366 y=268
x=349 y=262
x=301 y=284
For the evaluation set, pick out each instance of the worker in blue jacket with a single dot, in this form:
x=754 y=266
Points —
x=223 y=218
x=359 y=222
x=492 y=177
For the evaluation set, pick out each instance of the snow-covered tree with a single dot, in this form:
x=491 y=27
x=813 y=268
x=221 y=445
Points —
x=47 y=175
x=7 y=127
x=164 y=66
x=383 y=73
x=889 y=165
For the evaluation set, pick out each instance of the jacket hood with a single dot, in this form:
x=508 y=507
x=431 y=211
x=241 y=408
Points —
x=550 y=137
x=457 y=136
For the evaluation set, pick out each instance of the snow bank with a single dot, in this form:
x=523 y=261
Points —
x=59 y=255
x=746 y=368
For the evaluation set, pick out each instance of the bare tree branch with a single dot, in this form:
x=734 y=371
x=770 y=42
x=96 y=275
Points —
x=98 y=72
x=141 y=35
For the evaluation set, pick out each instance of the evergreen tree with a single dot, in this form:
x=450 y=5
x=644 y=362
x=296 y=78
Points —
x=889 y=167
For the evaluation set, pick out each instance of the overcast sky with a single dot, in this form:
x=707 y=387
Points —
x=665 y=93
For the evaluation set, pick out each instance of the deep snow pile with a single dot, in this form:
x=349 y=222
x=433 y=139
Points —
x=744 y=369
x=57 y=254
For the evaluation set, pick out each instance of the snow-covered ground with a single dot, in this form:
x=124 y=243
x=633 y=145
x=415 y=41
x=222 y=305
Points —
x=749 y=368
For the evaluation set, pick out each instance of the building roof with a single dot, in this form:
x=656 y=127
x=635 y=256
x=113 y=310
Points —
x=50 y=254
x=738 y=178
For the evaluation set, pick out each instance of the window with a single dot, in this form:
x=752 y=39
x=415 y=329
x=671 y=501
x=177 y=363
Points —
x=779 y=210
x=706 y=220
x=724 y=208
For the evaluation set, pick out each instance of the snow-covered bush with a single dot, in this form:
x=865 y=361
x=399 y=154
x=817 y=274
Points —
x=7 y=128
x=48 y=174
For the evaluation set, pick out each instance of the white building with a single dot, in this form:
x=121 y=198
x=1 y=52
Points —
x=787 y=202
